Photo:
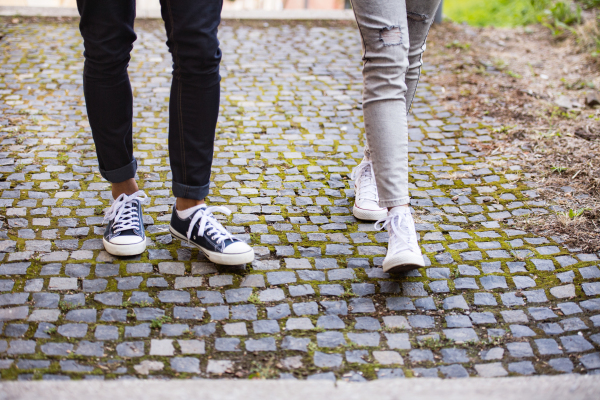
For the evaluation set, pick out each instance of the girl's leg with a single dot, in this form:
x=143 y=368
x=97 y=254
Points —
x=420 y=15
x=384 y=32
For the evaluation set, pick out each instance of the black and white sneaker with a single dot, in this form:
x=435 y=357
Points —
x=124 y=235
x=205 y=232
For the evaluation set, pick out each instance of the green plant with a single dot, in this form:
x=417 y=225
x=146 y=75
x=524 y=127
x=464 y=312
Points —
x=254 y=299
x=572 y=214
x=587 y=4
x=66 y=306
x=431 y=343
x=158 y=322
x=565 y=13
x=458 y=45
x=559 y=169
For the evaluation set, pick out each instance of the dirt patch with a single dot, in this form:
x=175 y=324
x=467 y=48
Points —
x=542 y=89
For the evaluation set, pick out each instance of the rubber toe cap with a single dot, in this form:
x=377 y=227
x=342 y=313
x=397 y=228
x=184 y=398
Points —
x=237 y=248
x=124 y=240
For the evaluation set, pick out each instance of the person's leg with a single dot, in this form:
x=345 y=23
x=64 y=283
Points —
x=420 y=15
x=108 y=36
x=191 y=27
x=384 y=32
x=194 y=108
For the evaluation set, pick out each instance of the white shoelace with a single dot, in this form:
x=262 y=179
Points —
x=124 y=211
x=208 y=224
x=401 y=238
x=363 y=172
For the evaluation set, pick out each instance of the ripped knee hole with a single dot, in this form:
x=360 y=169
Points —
x=391 y=36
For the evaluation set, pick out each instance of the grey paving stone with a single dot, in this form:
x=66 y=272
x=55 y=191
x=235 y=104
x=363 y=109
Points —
x=280 y=278
x=453 y=302
x=484 y=299
x=269 y=295
x=521 y=331
x=575 y=344
x=327 y=290
x=227 y=344
x=490 y=370
x=114 y=315
x=105 y=332
x=461 y=334
x=454 y=371
x=522 y=367
x=109 y=298
x=495 y=353
x=279 y=311
x=73 y=330
x=335 y=307
x=324 y=360
x=458 y=321
x=189 y=365
x=244 y=312
x=453 y=355
x=174 y=296
x=591 y=361
x=330 y=339
x=141 y=330
x=262 y=344
x=295 y=343
x=547 y=347
x=265 y=326
x=130 y=349
x=417 y=356
x=238 y=295
x=561 y=364
x=205 y=330
x=519 y=349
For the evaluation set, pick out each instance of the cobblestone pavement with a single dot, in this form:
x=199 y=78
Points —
x=492 y=301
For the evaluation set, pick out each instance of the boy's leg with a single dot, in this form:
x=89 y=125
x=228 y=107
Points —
x=194 y=108
x=108 y=36
x=107 y=30
x=420 y=15
x=191 y=27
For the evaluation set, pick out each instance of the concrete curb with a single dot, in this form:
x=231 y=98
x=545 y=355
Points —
x=345 y=15
x=571 y=387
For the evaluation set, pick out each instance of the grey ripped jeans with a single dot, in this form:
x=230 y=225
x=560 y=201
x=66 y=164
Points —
x=393 y=34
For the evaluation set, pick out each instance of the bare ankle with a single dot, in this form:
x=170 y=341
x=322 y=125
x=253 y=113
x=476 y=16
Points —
x=184 y=204
x=127 y=187
x=402 y=205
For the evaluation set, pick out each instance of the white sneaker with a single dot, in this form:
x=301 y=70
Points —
x=403 y=252
x=366 y=199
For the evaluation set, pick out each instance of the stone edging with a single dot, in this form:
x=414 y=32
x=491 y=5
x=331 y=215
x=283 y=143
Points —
x=155 y=13
x=572 y=387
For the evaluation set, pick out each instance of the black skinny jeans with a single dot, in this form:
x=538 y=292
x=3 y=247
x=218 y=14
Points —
x=108 y=36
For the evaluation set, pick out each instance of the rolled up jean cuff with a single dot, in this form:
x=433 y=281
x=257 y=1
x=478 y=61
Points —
x=120 y=174
x=395 y=202
x=190 y=192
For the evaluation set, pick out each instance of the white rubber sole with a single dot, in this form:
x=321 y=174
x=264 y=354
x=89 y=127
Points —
x=368 y=215
x=404 y=261
x=124 y=249
x=219 y=258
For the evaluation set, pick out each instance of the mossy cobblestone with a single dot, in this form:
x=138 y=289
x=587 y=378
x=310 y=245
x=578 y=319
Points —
x=315 y=304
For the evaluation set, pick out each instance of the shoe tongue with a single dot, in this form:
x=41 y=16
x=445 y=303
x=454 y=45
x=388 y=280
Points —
x=370 y=203
x=399 y=210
